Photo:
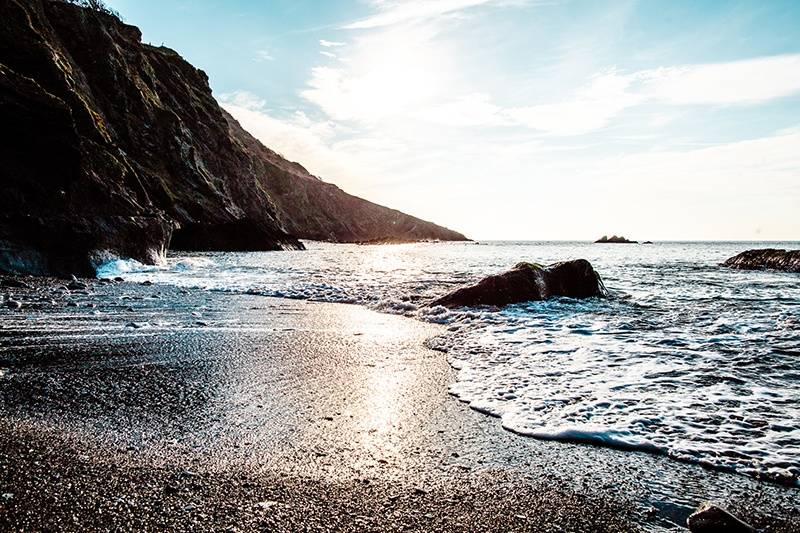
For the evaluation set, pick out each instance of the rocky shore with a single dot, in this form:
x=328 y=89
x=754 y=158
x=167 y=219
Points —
x=139 y=406
x=766 y=259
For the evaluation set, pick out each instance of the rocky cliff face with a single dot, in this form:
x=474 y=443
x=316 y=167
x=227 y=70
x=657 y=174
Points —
x=112 y=147
x=313 y=209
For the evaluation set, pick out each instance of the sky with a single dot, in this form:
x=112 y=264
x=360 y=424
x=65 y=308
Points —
x=519 y=119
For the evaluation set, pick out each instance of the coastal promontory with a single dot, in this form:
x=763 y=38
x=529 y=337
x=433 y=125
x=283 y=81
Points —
x=116 y=148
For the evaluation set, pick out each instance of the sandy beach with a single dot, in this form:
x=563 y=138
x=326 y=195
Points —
x=136 y=407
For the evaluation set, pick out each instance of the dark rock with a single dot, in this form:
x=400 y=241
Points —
x=13 y=304
x=146 y=283
x=76 y=285
x=712 y=519
x=111 y=147
x=14 y=284
x=615 y=240
x=766 y=259
x=118 y=279
x=526 y=282
x=647 y=242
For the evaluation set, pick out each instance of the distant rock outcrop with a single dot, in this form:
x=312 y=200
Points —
x=615 y=240
x=766 y=259
x=527 y=282
x=114 y=148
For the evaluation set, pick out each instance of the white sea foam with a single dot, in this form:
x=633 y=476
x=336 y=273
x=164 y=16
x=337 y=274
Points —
x=686 y=359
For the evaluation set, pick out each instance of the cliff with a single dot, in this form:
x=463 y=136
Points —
x=115 y=148
x=313 y=209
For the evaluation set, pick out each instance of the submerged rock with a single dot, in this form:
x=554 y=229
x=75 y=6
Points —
x=615 y=240
x=712 y=519
x=766 y=259
x=528 y=281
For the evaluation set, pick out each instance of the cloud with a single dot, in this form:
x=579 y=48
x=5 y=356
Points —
x=330 y=44
x=264 y=55
x=394 y=72
x=743 y=82
x=410 y=10
x=244 y=100
x=746 y=81
x=295 y=136
x=328 y=54
x=476 y=109
x=592 y=108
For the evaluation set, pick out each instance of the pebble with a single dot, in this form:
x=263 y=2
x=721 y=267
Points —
x=76 y=285
x=266 y=504
x=712 y=519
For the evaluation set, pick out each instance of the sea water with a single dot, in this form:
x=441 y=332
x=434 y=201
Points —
x=685 y=358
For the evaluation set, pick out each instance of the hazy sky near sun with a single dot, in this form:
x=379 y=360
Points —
x=519 y=119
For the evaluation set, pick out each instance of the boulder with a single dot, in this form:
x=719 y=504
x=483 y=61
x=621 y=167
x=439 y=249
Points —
x=527 y=282
x=766 y=259
x=712 y=519
x=615 y=240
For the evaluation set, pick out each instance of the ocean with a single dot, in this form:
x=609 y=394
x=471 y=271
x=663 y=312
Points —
x=684 y=358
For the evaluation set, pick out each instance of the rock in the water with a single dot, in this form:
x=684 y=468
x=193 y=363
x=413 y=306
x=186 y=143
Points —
x=766 y=259
x=13 y=304
x=615 y=240
x=528 y=281
x=712 y=519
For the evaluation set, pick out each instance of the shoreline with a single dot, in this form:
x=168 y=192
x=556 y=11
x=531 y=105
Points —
x=353 y=413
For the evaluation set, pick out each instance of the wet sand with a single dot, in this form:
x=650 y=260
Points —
x=166 y=409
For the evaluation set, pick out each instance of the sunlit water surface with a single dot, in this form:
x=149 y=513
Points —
x=685 y=358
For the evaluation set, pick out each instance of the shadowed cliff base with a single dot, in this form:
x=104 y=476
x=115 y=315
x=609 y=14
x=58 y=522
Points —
x=100 y=127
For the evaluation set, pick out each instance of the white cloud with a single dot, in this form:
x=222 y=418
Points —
x=330 y=44
x=476 y=109
x=410 y=10
x=592 y=108
x=731 y=83
x=395 y=72
x=244 y=100
x=328 y=54
x=736 y=82
x=264 y=55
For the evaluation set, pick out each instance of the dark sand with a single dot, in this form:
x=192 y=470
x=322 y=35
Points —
x=280 y=415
